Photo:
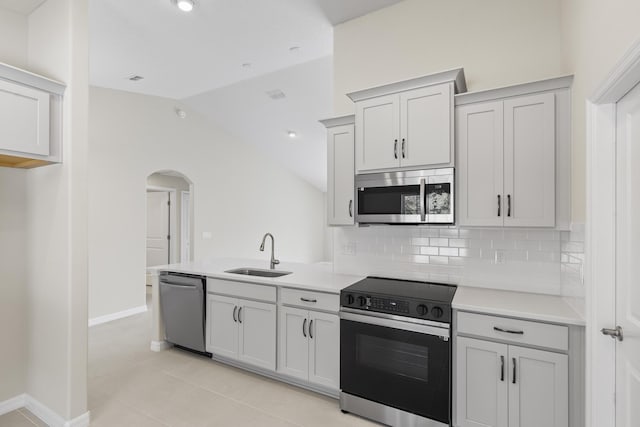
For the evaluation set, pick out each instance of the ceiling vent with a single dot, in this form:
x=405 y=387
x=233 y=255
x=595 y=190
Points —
x=136 y=78
x=276 y=94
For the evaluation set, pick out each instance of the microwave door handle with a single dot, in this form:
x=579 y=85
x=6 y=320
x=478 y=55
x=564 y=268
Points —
x=423 y=210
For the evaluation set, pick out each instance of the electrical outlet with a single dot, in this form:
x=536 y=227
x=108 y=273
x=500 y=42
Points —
x=207 y=235
x=350 y=248
x=499 y=257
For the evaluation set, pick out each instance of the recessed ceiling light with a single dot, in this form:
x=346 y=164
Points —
x=294 y=48
x=246 y=65
x=291 y=134
x=135 y=78
x=185 y=5
x=181 y=113
x=275 y=94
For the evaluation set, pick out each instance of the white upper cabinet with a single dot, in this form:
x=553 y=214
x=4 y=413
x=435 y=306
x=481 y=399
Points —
x=340 y=170
x=30 y=119
x=407 y=125
x=514 y=157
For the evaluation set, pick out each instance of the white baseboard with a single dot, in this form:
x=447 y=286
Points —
x=43 y=412
x=160 y=345
x=12 y=404
x=115 y=316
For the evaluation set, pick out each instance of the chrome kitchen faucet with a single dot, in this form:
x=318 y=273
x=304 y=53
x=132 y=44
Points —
x=274 y=261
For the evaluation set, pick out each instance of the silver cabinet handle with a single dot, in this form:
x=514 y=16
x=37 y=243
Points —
x=613 y=333
x=508 y=331
x=311 y=329
x=351 y=208
x=239 y=312
x=423 y=208
x=395 y=149
x=499 y=205
x=508 y=204
x=304 y=326
x=514 y=370
x=234 y=313
x=403 y=148
x=308 y=300
x=501 y=368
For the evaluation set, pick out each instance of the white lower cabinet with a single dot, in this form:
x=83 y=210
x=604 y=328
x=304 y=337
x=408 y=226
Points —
x=242 y=329
x=501 y=385
x=309 y=344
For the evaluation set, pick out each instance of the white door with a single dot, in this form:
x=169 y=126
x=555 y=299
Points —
x=324 y=350
x=479 y=133
x=222 y=326
x=157 y=228
x=538 y=388
x=481 y=371
x=529 y=161
x=425 y=127
x=627 y=265
x=257 y=344
x=293 y=357
x=340 y=177
x=185 y=226
x=377 y=139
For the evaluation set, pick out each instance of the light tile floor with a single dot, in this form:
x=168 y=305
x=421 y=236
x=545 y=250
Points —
x=129 y=385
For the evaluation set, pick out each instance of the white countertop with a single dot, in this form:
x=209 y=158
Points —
x=545 y=308
x=316 y=277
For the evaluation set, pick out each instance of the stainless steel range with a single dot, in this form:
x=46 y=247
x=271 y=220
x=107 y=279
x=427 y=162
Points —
x=395 y=351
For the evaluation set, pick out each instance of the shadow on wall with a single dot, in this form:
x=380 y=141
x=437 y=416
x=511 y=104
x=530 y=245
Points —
x=169 y=218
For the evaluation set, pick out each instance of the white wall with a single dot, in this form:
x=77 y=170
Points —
x=596 y=35
x=13 y=233
x=13 y=284
x=238 y=195
x=56 y=220
x=13 y=38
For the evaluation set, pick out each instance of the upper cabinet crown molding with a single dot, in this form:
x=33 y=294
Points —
x=455 y=75
x=27 y=78
x=339 y=121
x=547 y=85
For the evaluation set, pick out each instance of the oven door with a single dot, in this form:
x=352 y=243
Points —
x=397 y=364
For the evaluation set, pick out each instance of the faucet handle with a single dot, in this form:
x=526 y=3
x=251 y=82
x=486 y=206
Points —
x=276 y=261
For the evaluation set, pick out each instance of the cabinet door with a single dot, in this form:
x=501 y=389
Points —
x=529 y=155
x=539 y=391
x=24 y=119
x=222 y=328
x=257 y=336
x=324 y=351
x=481 y=385
x=425 y=127
x=293 y=342
x=340 y=177
x=377 y=139
x=479 y=136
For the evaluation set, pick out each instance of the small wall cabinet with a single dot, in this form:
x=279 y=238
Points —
x=514 y=156
x=407 y=125
x=30 y=119
x=340 y=170
x=501 y=381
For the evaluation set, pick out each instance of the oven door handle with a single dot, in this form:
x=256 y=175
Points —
x=397 y=324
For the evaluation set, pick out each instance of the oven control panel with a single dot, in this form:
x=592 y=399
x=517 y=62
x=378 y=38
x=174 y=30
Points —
x=409 y=308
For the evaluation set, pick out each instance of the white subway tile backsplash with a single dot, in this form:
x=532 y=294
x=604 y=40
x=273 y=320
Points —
x=532 y=260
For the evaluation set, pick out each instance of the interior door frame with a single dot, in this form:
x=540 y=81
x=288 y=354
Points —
x=172 y=218
x=600 y=248
x=185 y=225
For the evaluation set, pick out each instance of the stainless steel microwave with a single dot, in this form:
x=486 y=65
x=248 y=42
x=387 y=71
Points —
x=407 y=197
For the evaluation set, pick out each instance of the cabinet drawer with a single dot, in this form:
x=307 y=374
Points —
x=242 y=289
x=522 y=331
x=310 y=299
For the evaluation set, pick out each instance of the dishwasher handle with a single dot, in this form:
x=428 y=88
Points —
x=182 y=280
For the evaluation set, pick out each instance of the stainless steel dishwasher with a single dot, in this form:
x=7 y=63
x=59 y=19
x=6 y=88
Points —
x=182 y=301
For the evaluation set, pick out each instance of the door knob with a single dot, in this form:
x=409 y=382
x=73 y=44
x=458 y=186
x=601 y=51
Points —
x=613 y=333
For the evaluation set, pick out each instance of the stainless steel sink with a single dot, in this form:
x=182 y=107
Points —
x=258 y=272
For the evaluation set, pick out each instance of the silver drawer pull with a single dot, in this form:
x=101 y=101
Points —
x=508 y=331
x=308 y=300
